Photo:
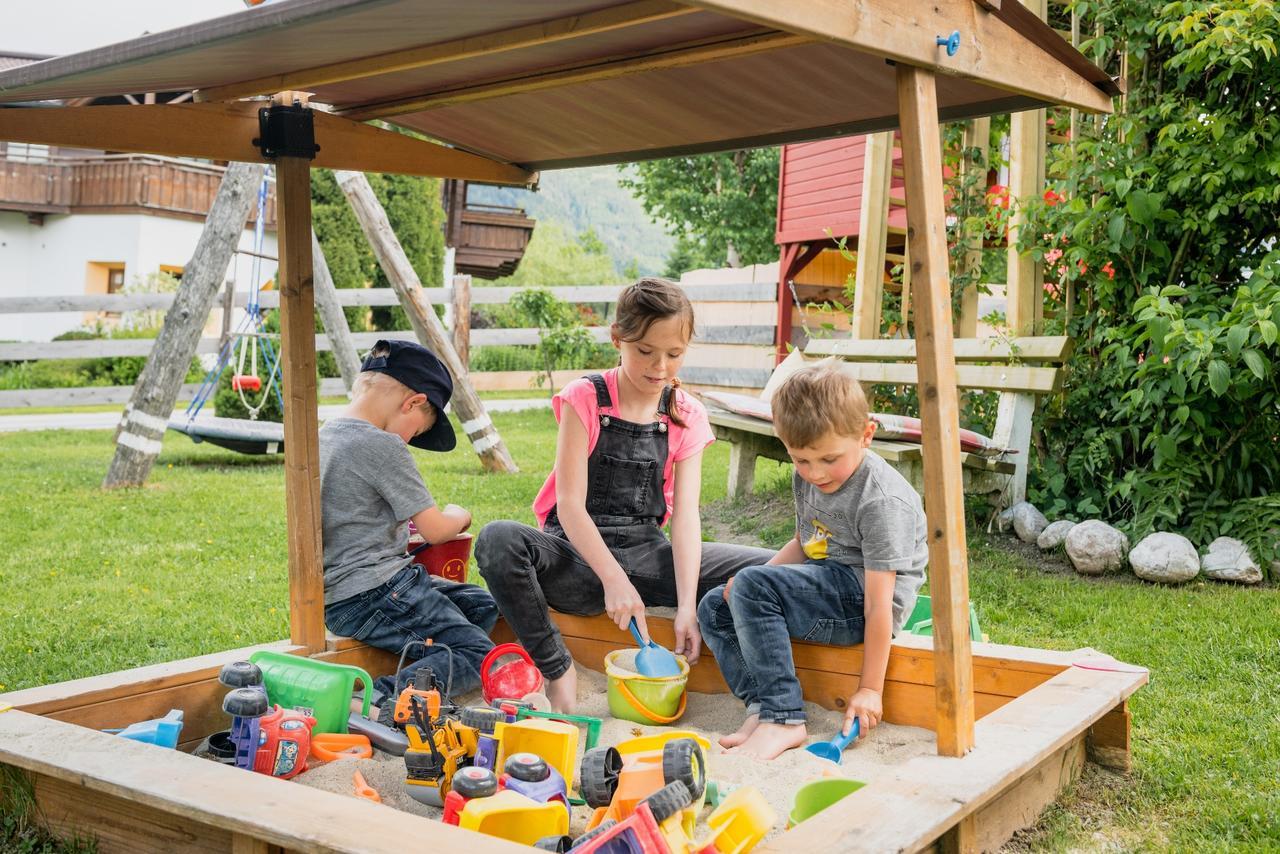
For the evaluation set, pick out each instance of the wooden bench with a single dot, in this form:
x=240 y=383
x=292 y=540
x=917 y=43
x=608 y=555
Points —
x=1020 y=369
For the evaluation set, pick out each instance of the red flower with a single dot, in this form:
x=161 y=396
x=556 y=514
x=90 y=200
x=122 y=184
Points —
x=1082 y=267
x=1109 y=270
x=1051 y=198
x=998 y=194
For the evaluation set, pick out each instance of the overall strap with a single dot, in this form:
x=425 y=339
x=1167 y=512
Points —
x=664 y=404
x=602 y=391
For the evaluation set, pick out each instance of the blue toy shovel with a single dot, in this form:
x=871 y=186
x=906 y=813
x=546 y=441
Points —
x=833 y=749
x=652 y=659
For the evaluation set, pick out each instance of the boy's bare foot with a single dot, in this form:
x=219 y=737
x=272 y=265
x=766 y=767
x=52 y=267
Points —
x=771 y=740
x=733 y=739
x=563 y=691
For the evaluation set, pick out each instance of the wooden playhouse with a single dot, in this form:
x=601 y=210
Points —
x=510 y=87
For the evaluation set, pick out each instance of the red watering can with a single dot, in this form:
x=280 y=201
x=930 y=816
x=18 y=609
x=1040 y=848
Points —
x=508 y=672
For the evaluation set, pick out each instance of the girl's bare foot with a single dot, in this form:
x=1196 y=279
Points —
x=563 y=691
x=771 y=740
x=735 y=738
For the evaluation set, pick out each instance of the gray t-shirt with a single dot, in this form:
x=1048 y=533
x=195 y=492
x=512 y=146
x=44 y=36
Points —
x=875 y=519
x=369 y=489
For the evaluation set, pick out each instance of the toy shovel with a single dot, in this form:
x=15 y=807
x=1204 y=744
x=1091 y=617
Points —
x=833 y=749
x=652 y=659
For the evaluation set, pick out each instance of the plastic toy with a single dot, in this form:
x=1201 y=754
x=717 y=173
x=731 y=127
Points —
x=833 y=749
x=383 y=737
x=284 y=742
x=364 y=790
x=508 y=671
x=426 y=687
x=434 y=755
x=613 y=782
x=468 y=784
x=484 y=721
x=717 y=792
x=246 y=382
x=951 y=42
x=324 y=689
x=531 y=776
x=447 y=560
x=814 y=797
x=592 y=724
x=331 y=746
x=740 y=822
x=246 y=706
x=920 y=622
x=652 y=659
x=654 y=827
x=555 y=741
x=159 y=731
x=644 y=699
x=510 y=815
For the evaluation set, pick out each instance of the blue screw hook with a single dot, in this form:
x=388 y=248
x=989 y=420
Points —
x=951 y=42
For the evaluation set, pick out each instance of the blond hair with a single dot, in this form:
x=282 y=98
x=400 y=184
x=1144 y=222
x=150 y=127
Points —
x=377 y=383
x=816 y=401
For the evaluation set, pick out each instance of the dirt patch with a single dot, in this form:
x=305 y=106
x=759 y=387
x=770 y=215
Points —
x=1084 y=819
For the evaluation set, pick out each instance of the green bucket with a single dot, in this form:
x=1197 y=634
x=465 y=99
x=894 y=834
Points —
x=294 y=682
x=813 y=798
x=644 y=699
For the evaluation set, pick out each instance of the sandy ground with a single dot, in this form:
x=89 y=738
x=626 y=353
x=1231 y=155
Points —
x=709 y=714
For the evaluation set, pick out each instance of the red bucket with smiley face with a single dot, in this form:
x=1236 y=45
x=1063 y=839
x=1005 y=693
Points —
x=447 y=560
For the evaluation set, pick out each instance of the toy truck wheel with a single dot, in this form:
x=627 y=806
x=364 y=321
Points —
x=475 y=782
x=526 y=767
x=559 y=844
x=599 y=779
x=599 y=830
x=682 y=760
x=482 y=718
x=668 y=801
x=245 y=703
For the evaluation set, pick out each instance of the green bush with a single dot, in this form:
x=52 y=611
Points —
x=520 y=358
x=227 y=402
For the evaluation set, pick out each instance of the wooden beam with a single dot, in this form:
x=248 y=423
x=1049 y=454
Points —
x=1048 y=348
x=342 y=345
x=991 y=51
x=939 y=408
x=1024 y=293
x=226 y=132
x=301 y=446
x=607 y=68
x=985 y=377
x=977 y=138
x=489 y=44
x=873 y=232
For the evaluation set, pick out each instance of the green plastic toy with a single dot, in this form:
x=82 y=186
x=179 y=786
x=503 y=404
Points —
x=592 y=724
x=294 y=682
x=921 y=620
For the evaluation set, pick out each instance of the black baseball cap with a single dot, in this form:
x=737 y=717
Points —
x=418 y=368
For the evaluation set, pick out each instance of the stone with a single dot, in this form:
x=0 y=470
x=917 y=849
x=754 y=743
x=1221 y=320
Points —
x=1095 y=547
x=1228 y=559
x=1004 y=522
x=1028 y=522
x=1165 y=558
x=1054 y=535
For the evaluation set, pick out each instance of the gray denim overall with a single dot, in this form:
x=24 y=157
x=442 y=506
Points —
x=528 y=569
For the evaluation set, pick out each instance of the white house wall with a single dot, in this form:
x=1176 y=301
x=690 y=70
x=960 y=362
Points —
x=52 y=260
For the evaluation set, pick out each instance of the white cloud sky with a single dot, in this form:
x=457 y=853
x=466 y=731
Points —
x=70 y=26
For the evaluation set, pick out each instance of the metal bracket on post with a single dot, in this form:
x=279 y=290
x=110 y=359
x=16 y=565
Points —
x=286 y=131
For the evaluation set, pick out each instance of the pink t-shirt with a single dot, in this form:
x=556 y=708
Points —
x=682 y=442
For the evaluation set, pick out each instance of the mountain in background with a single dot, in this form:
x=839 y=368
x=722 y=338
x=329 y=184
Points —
x=590 y=198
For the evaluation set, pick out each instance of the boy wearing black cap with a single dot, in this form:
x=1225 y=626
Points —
x=369 y=490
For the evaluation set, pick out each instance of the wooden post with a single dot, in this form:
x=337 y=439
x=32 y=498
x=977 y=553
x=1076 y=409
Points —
x=146 y=416
x=1025 y=290
x=462 y=318
x=428 y=328
x=228 y=308
x=977 y=136
x=939 y=409
x=873 y=233
x=334 y=318
x=301 y=427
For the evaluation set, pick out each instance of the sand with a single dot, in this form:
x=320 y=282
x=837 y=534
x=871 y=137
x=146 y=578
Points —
x=712 y=715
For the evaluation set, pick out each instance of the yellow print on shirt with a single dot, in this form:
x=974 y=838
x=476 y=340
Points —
x=816 y=547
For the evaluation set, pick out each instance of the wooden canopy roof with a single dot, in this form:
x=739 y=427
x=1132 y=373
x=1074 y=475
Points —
x=554 y=83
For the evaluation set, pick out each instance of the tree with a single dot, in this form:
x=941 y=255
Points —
x=553 y=258
x=720 y=206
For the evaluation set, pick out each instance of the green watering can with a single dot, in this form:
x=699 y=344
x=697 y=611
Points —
x=294 y=682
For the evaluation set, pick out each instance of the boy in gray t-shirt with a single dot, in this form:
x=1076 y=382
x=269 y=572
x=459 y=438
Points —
x=850 y=575
x=369 y=490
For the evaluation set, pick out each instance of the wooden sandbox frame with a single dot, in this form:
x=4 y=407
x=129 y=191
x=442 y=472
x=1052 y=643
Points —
x=1013 y=725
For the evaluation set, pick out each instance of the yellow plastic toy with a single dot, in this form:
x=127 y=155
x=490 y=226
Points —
x=511 y=815
x=652 y=743
x=741 y=821
x=647 y=764
x=555 y=741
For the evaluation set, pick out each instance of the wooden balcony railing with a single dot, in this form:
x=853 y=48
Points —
x=114 y=184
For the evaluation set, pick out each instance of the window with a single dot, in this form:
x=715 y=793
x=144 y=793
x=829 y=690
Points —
x=115 y=280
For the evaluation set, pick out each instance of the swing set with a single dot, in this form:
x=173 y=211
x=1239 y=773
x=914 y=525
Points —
x=245 y=343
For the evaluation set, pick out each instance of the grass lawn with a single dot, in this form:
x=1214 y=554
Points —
x=195 y=563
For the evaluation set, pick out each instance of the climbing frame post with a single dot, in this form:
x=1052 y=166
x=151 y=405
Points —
x=873 y=231
x=939 y=409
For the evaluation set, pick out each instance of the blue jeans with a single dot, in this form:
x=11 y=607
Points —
x=750 y=634
x=415 y=606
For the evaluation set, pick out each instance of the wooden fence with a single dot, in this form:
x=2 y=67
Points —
x=732 y=347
